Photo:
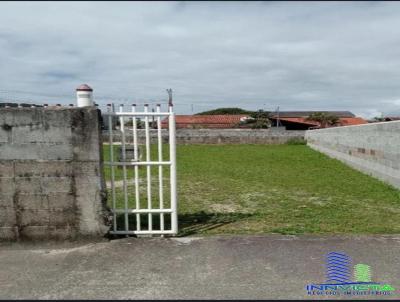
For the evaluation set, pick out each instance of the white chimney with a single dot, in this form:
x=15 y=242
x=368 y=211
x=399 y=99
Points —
x=84 y=96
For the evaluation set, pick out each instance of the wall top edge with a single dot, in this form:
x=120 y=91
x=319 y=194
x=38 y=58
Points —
x=354 y=126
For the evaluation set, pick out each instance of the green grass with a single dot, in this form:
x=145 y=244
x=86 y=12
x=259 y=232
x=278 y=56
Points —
x=286 y=189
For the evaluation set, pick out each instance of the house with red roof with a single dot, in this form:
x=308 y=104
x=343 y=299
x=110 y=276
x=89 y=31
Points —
x=298 y=120
x=207 y=121
x=291 y=120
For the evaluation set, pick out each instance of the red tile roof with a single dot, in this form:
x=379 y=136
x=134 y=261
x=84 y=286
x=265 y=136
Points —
x=209 y=119
x=308 y=113
x=348 y=121
x=212 y=121
x=229 y=121
x=343 y=121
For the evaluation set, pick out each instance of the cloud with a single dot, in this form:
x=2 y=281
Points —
x=299 y=56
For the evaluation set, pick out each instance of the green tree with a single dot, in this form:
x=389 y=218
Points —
x=378 y=119
x=323 y=118
x=128 y=123
x=259 y=119
x=225 y=111
x=262 y=119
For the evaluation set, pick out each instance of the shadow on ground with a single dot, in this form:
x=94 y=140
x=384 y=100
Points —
x=189 y=224
x=196 y=223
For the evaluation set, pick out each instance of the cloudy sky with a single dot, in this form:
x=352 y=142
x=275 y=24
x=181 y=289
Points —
x=299 y=56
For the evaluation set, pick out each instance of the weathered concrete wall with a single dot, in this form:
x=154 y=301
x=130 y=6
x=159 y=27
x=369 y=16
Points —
x=371 y=148
x=217 y=136
x=50 y=174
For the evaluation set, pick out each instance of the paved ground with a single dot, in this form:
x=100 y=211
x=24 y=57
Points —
x=239 y=267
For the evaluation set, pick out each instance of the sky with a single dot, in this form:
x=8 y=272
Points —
x=253 y=55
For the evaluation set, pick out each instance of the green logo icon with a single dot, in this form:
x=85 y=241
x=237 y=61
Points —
x=362 y=273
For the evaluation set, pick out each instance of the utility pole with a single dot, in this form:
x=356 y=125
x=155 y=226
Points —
x=191 y=105
x=169 y=97
x=277 y=117
x=114 y=120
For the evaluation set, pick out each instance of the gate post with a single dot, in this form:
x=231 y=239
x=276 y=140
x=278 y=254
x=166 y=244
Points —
x=172 y=154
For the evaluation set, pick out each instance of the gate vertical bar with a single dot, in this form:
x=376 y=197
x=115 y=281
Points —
x=110 y=137
x=148 y=158
x=136 y=168
x=172 y=154
x=160 y=168
x=122 y=127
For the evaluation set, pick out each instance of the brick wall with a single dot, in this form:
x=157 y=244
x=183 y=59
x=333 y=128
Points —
x=51 y=184
x=217 y=136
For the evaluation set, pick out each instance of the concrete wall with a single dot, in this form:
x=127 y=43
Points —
x=50 y=174
x=217 y=136
x=371 y=148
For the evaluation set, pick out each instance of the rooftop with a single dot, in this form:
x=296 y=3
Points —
x=209 y=119
x=308 y=113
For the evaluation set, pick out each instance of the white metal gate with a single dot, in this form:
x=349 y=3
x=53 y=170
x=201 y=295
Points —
x=139 y=206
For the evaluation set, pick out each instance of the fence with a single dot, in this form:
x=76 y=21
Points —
x=220 y=136
x=130 y=216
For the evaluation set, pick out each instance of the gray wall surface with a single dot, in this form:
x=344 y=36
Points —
x=216 y=136
x=51 y=183
x=371 y=148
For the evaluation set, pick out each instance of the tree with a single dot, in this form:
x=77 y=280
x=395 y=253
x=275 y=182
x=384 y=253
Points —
x=378 y=119
x=128 y=123
x=325 y=120
x=225 y=111
x=259 y=119
x=262 y=120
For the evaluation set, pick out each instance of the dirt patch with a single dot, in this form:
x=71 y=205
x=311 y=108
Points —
x=224 y=208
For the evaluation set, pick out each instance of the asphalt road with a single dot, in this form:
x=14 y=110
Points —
x=231 y=267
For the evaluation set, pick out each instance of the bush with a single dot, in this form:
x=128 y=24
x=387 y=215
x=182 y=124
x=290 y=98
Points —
x=261 y=124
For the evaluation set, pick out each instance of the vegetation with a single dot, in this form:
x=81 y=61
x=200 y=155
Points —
x=378 y=119
x=225 y=111
x=259 y=120
x=139 y=123
x=323 y=118
x=286 y=189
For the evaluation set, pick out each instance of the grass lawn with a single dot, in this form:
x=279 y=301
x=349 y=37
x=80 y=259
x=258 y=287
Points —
x=286 y=189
